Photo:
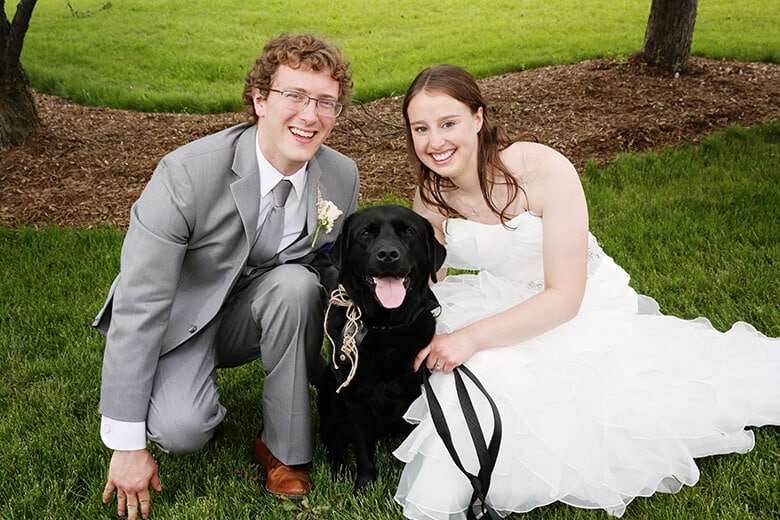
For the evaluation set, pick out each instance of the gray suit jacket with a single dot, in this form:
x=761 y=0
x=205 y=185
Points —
x=187 y=244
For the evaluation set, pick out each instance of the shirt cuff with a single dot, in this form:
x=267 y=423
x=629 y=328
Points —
x=123 y=435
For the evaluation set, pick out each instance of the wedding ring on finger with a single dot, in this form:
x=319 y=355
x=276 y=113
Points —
x=438 y=367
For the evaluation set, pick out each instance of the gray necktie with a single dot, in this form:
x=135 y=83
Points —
x=270 y=235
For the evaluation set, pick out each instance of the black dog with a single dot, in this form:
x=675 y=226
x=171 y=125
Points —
x=386 y=256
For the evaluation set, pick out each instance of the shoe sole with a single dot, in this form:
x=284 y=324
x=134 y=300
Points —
x=283 y=495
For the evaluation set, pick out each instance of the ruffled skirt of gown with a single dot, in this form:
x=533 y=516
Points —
x=612 y=405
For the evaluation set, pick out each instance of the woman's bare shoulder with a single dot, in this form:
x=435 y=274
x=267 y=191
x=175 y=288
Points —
x=544 y=173
x=532 y=156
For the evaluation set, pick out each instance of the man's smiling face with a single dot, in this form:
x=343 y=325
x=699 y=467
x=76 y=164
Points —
x=289 y=137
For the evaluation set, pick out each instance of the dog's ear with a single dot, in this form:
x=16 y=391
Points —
x=341 y=244
x=334 y=255
x=436 y=252
x=330 y=275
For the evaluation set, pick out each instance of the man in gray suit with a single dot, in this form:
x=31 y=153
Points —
x=223 y=264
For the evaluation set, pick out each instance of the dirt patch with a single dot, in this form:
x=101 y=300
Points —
x=89 y=164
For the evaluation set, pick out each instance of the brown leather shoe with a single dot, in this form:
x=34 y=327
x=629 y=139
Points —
x=288 y=481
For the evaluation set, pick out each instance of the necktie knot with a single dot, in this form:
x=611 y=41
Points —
x=281 y=191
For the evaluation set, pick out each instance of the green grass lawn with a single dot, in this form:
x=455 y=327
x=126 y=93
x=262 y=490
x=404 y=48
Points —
x=192 y=56
x=697 y=228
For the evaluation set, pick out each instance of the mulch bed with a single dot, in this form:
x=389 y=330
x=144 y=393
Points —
x=89 y=164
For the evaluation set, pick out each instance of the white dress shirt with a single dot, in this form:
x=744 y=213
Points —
x=294 y=209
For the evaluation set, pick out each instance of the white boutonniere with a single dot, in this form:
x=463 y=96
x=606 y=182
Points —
x=327 y=213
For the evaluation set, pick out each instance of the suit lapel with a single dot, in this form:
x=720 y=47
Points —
x=314 y=173
x=246 y=190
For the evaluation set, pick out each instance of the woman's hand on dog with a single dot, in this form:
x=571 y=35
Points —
x=445 y=352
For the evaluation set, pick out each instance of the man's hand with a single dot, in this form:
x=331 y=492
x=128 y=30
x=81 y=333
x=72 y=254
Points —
x=130 y=474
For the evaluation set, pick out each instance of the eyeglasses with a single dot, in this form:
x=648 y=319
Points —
x=299 y=101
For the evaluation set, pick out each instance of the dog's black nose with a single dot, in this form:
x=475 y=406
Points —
x=388 y=254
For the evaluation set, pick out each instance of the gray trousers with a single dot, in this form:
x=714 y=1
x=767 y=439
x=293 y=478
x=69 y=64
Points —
x=276 y=317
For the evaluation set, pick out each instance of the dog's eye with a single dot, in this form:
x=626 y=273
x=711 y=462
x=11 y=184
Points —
x=407 y=231
x=371 y=229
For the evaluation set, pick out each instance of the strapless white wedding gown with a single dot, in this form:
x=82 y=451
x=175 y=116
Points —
x=612 y=405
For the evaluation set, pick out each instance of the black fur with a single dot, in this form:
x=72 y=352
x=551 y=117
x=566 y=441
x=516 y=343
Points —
x=378 y=241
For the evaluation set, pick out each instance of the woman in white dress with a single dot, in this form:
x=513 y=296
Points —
x=602 y=398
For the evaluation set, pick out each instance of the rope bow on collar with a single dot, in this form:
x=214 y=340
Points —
x=352 y=334
x=355 y=329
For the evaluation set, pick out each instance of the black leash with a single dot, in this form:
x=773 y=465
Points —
x=486 y=454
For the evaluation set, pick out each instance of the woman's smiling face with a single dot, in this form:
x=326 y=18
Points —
x=444 y=132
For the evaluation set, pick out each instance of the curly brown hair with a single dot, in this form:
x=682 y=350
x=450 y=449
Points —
x=297 y=50
x=491 y=170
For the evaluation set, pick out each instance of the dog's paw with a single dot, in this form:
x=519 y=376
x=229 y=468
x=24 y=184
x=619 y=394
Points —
x=363 y=480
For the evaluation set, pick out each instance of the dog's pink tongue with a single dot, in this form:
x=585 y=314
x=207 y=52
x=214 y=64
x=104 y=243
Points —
x=390 y=291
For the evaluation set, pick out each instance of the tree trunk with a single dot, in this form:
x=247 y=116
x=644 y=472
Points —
x=18 y=117
x=669 y=34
